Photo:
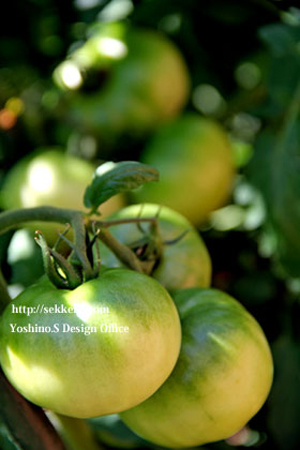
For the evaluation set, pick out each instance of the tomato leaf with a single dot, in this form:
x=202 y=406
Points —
x=112 y=178
x=275 y=170
x=280 y=38
x=286 y=189
x=284 y=64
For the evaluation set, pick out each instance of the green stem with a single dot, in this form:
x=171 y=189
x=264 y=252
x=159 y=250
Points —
x=4 y=295
x=113 y=222
x=16 y=217
x=123 y=252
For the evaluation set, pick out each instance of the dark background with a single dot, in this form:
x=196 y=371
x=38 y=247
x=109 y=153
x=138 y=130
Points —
x=215 y=38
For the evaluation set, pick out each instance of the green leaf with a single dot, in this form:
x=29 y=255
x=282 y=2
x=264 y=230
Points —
x=275 y=171
x=282 y=42
x=280 y=38
x=6 y=439
x=285 y=207
x=112 y=178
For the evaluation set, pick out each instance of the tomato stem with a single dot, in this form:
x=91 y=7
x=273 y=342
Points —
x=14 y=218
x=111 y=223
x=77 y=219
x=4 y=294
x=123 y=252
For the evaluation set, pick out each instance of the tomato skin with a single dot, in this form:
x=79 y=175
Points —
x=195 y=161
x=185 y=263
x=53 y=178
x=99 y=373
x=222 y=377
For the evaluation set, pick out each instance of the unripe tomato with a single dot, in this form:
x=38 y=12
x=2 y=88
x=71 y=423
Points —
x=139 y=78
x=184 y=263
x=194 y=158
x=53 y=178
x=222 y=377
x=86 y=364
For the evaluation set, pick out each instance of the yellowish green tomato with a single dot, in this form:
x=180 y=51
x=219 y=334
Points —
x=183 y=263
x=194 y=158
x=98 y=349
x=53 y=178
x=222 y=377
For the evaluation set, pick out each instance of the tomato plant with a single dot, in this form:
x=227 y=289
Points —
x=116 y=348
x=194 y=158
x=144 y=80
x=124 y=326
x=178 y=257
x=50 y=177
x=221 y=379
x=115 y=88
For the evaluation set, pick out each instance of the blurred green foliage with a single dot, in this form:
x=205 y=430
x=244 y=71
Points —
x=244 y=63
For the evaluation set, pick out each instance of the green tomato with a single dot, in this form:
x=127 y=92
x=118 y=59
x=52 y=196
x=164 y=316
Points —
x=222 y=377
x=185 y=263
x=53 y=178
x=194 y=158
x=146 y=81
x=118 y=347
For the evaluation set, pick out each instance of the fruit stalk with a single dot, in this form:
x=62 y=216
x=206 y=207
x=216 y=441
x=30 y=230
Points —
x=124 y=254
x=13 y=218
x=113 y=222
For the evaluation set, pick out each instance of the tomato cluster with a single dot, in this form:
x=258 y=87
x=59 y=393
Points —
x=182 y=363
x=164 y=363
x=224 y=371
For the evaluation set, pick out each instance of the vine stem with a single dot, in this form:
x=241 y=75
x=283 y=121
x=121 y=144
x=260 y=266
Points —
x=27 y=423
x=78 y=220
x=4 y=294
x=111 y=223
x=15 y=217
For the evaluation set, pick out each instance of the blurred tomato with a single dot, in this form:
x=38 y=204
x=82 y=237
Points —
x=51 y=177
x=194 y=158
x=124 y=80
